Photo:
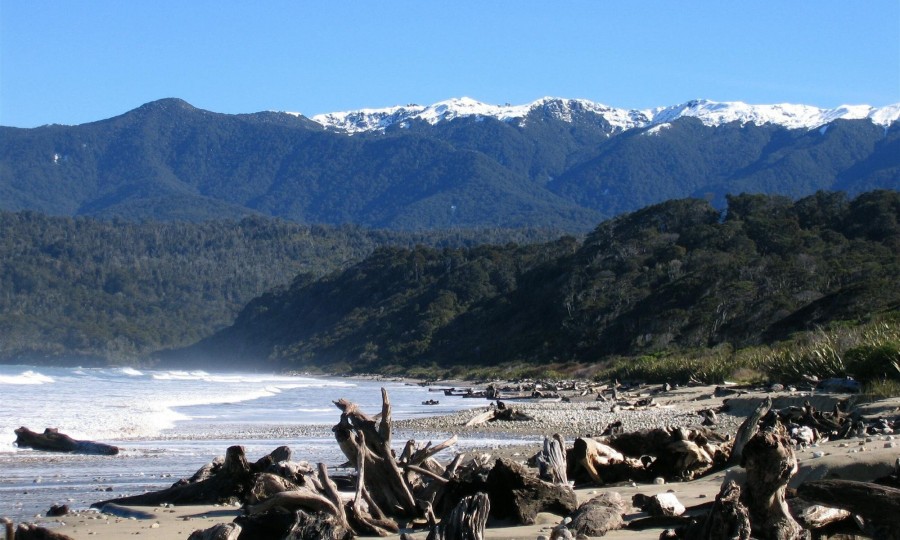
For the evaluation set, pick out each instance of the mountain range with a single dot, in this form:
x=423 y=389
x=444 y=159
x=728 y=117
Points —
x=556 y=163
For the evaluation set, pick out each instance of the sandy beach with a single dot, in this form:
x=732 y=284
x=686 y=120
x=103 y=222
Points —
x=864 y=458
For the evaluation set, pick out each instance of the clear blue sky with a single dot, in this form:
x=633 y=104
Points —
x=76 y=61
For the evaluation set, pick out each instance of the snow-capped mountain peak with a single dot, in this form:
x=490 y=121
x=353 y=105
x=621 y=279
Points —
x=711 y=113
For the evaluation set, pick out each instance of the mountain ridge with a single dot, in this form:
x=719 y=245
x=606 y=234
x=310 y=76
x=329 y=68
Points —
x=711 y=113
x=564 y=165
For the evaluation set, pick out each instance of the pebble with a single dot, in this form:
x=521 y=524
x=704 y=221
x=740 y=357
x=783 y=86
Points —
x=818 y=454
x=890 y=445
x=659 y=480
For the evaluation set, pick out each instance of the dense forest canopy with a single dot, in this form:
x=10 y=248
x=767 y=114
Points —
x=680 y=274
x=82 y=290
x=167 y=160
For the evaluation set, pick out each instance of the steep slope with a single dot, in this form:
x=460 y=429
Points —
x=668 y=276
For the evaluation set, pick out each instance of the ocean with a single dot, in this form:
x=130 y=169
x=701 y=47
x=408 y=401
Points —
x=168 y=424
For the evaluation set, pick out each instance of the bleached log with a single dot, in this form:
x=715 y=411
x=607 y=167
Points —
x=552 y=460
x=303 y=498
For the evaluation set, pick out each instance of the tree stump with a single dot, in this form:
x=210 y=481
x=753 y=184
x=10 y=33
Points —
x=232 y=480
x=770 y=462
x=516 y=493
x=747 y=430
x=728 y=519
x=384 y=480
x=465 y=521
x=552 y=460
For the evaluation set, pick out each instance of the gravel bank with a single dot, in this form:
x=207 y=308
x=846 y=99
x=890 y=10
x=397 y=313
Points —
x=568 y=419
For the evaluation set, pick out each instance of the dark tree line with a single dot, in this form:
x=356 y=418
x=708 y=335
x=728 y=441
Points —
x=680 y=274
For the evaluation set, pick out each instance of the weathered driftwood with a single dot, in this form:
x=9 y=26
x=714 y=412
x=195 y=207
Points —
x=27 y=531
x=52 y=440
x=661 y=504
x=878 y=505
x=298 y=525
x=221 y=531
x=816 y=516
x=598 y=516
x=518 y=494
x=770 y=462
x=500 y=412
x=383 y=479
x=728 y=519
x=552 y=460
x=299 y=499
x=266 y=485
x=412 y=455
x=679 y=454
x=361 y=517
x=232 y=480
x=601 y=462
x=747 y=430
x=465 y=521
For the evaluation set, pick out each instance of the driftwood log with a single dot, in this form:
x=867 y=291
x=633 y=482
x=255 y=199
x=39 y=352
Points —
x=52 y=440
x=878 y=505
x=499 y=412
x=232 y=481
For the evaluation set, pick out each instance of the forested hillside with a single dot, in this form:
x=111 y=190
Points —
x=561 y=166
x=84 y=290
x=676 y=275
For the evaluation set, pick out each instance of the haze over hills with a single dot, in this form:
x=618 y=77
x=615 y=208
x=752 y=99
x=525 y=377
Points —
x=673 y=276
x=556 y=163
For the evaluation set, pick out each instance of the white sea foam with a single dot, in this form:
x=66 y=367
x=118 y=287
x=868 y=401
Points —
x=26 y=377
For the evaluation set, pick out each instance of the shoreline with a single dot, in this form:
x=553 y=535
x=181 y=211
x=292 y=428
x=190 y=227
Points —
x=854 y=458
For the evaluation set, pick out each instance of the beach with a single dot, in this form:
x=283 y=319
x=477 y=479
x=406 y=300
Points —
x=857 y=458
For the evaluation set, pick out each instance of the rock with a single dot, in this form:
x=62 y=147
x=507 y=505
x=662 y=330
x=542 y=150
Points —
x=599 y=515
x=58 y=510
x=839 y=385
x=663 y=504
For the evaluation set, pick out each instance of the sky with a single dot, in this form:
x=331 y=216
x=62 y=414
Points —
x=77 y=61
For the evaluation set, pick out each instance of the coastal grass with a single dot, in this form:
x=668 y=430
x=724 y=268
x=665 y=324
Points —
x=868 y=352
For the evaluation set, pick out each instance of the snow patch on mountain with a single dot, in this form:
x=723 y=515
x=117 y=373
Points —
x=711 y=113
